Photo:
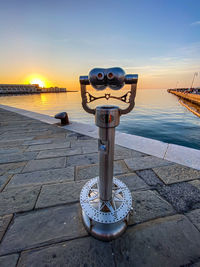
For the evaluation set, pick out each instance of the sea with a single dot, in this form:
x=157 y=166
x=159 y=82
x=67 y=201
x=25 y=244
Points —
x=157 y=114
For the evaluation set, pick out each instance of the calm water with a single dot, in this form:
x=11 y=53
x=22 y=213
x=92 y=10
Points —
x=157 y=114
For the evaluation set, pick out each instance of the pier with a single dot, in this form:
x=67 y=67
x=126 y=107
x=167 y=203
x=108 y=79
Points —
x=191 y=97
x=42 y=170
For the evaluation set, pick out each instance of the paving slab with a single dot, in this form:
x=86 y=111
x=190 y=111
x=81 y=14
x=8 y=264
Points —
x=89 y=149
x=150 y=177
x=126 y=153
x=9 y=158
x=57 y=194
x=10 y=124
x=194 y=217
x=4 y=222
x=43 y=227
x=54 y=128
x=133 y=181
x=77 y=136
x=47 y=136
x=17 y=138
x=37 y=142
x=10 y=143
x=18 y=200
x=171 y=241
x=81 y=160
x=80 y=252
x=4 y=179
x=148 y=205
x=27 y=131
x=91 y=171
x=13 y=121
x=57 y=140
x=82 y=136
x=176 y=173
x=9 y=150
x=85 y=143
x=42 y=177
x=25 y=128
x=48 y=146
x=146 y=162
x=9 y=261
x=195 y=183
x=63 y=152
x=12 y=168
x=37 y=134
x=13 y=135
x=183 y=196
x=44 y=164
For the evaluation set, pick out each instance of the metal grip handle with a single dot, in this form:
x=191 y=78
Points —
x=132 y=100
x=84 y=100
x=114 y=78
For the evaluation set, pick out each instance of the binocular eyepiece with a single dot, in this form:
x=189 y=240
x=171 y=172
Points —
x=114 y=78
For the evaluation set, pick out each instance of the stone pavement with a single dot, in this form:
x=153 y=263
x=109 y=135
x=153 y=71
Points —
x=42 y=170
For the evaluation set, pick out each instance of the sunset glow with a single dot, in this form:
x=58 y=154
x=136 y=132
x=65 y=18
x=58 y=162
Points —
x=37 y=81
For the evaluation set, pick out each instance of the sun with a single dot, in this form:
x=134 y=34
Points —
x=36 y=78
x=37 y=81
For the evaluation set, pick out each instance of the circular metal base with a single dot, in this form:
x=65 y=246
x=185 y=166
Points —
x=103 y=231
x=105 y=220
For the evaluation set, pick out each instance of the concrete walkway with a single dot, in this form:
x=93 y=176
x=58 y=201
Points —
x=42 y=170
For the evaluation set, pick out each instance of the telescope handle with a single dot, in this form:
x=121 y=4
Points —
x=130 y=79
x=122 y=111
x=84 y=100
x=132 y=100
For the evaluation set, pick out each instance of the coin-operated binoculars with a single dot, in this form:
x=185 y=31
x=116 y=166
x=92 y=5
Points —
x=106 y=201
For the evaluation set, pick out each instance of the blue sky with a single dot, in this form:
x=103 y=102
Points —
x=159 y=40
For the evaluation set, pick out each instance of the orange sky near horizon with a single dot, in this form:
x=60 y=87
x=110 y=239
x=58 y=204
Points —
x=71 y=82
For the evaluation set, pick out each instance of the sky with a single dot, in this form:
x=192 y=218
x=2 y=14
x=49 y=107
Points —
x=58 y=41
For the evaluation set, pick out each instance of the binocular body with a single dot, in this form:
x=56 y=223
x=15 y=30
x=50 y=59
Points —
x=106 y=201
x=101 y=78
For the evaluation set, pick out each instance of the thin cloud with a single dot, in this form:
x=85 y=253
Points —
x=195 y=23
x=190 y=50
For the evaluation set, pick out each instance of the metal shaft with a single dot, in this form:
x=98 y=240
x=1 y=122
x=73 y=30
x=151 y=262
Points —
x=106 y=158
x=107 y=118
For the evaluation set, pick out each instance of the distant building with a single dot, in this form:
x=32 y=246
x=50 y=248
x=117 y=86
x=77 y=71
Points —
x=27 y=89
x=52 y=90
x=18 y=88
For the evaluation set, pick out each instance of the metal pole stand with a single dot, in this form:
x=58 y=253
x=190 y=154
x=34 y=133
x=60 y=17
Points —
x=106 y=201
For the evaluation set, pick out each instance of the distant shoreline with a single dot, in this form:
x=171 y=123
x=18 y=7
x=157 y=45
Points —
x=35 y=93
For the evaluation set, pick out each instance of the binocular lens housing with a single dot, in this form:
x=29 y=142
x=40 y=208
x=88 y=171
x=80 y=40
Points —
x=112 y=77
x=115 y=78
x=100 y=76
x=97 y=79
